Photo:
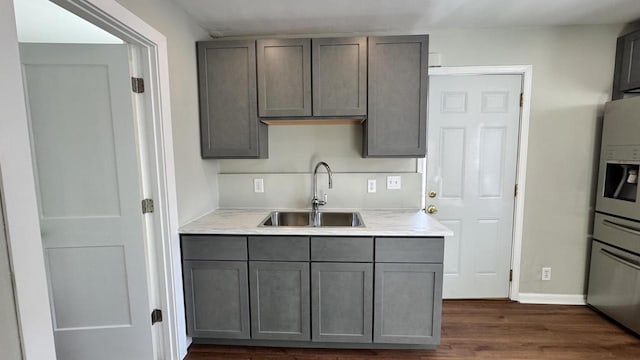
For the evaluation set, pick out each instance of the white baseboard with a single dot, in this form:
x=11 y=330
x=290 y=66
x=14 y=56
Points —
x=555 y=299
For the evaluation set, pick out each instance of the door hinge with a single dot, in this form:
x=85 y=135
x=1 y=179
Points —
x=515 y=191
x=156 y=316
x=137 y=85
x=147 y=206
x=521 y=99
x=511 y=275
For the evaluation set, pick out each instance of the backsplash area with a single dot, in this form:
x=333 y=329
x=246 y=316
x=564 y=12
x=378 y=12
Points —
x=282 y=191
x=288 y=172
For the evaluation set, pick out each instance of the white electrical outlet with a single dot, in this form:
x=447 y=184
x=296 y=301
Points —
x=394 y=182
x=371 y=185
x=258 y=185
x=546 y=273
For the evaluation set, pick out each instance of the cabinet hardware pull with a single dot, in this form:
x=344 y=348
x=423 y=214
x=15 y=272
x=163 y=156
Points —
x=619 y=259
x=621 y=227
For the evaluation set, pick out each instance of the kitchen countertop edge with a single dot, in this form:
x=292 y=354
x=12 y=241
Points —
x=387 y=222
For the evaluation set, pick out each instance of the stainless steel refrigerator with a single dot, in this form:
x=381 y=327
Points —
x=614 y=275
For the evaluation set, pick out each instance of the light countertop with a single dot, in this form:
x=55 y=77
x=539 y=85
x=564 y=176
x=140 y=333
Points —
x=377 y=223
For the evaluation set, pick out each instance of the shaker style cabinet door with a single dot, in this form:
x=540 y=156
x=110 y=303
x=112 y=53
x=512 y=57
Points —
x=217 y=299
x=339 y=69
x=284 y=77
x=342 y=302
x=279 y=300
x=229 y=123
x=630 y=71
x=408 y=303
x=396 y=123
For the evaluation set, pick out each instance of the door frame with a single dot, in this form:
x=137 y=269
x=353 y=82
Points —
x=20 y=195
x=523 y=145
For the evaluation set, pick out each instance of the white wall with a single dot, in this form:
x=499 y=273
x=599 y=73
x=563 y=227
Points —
x=196 y=179
x=572 y=77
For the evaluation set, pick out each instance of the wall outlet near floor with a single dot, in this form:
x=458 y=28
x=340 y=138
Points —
x=258 y=185
x=394 y=182
x=546 y=273
x=371 y=185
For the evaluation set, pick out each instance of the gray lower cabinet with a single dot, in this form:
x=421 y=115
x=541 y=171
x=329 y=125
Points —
x=397 y=90
x=408 y=303
x=280 y=300
x=342 y=299
x=284 y=77
x=217 y=299
x=229 y=123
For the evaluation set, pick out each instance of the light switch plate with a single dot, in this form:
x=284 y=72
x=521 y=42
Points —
x=394 y=182
x=371 y=185
x=258 y=185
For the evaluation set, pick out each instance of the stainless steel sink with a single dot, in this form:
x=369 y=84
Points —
x=305 y=218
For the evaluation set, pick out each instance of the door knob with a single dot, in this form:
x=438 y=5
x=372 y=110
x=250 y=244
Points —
x=431 y=209
x=432 y=194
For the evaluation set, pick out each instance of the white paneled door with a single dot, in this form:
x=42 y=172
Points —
x=471 y=173
x=87 y=174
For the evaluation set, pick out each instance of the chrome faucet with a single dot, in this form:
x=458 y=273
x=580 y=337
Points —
x=315 y=202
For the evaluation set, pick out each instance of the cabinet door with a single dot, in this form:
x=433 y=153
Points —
x=342 y=302
x=630 y=75
x=284 y=77
x=339 y=69
x=280 y=300
x=397 y=110
x=217 y=299
x=229 y=123
x=408 y=303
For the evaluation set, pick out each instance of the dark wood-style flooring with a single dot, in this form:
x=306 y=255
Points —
x=481 y=330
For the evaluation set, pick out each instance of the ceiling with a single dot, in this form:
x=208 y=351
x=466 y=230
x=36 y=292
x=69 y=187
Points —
x=244 y=17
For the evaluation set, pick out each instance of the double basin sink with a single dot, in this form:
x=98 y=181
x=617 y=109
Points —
x=306 y=218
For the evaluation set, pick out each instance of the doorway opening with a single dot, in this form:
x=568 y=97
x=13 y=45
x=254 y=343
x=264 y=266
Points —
x=98 y=150
x=475 y=174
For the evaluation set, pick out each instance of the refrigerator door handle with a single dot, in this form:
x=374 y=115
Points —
x=621 y=227
x=620 y=259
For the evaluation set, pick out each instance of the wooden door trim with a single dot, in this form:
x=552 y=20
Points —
x=526 y=71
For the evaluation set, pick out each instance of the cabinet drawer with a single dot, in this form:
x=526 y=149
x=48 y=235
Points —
x=214 y=247
x=342 y=249
x=410 y=250
x=279 y=248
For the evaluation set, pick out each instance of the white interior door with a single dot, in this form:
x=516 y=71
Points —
x=471 y=170
x=87 y=174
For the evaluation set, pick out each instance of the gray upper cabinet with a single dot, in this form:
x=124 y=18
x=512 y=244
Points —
x=339 y=68
x=280 y=307
x=342 y=302
x=229 y=123
x=397 y=105
x=630 y=62
x=220 y=313
x=284 y=77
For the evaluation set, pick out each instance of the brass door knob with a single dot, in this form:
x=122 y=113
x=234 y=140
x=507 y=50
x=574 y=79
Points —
x=431 y=209
x=432 y=194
